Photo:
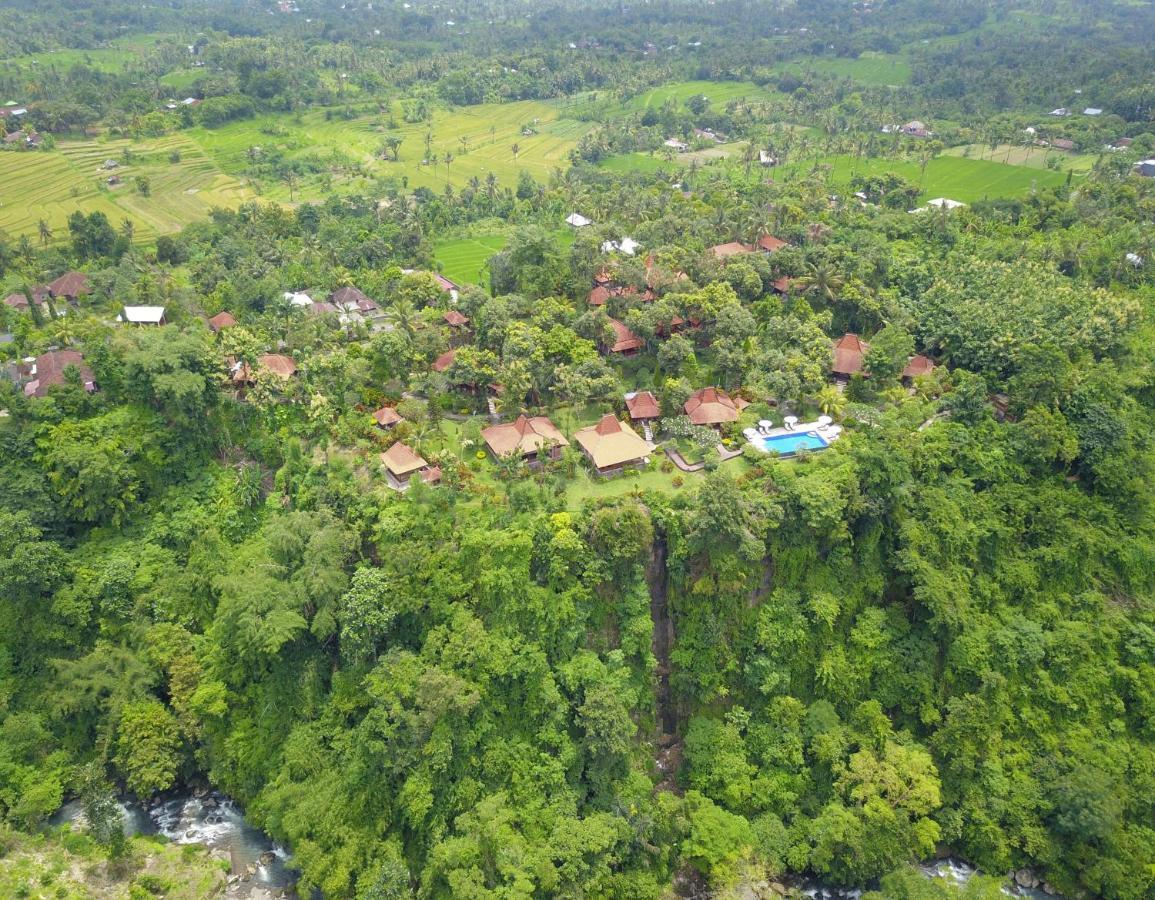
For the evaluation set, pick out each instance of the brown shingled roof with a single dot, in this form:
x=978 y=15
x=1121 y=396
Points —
x=711 y=406
x=624 y=339
x=387 y=417
x=444 y=361
x=769 y=243
x=599 y=296
x=221 y=320
x=524 y=436
x=70 y=284
x=643 y=405
x=50 y=370
x=849 y=354
x=401 y=460
x=918 y=365
x=456 y=319
x=279 y=364
x=731 y=248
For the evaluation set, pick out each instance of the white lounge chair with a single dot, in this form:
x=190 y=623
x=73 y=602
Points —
x=789 y=422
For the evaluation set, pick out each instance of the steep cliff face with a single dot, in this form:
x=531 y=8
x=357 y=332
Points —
x=657 y=578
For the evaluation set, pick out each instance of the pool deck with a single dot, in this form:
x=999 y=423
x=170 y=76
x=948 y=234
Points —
x=829 y=434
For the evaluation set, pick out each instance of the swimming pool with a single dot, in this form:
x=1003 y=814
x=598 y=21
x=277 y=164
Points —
x=789 y=444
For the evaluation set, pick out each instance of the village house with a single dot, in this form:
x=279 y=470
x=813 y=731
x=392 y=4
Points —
x=142 y=315
x=1146 y=168
x=444 y=361
x=284 y=367
x=612 y=446
x=1063 y=144
x=917 y=366
x=712 y=407
x=354 y=302
x=221 y=321
x=916 y=129
x=50 y=368
x=577 y=220
x=70 y=286
x=402 y=463
x=625 y=341
x=527 y=437
x=766 y=243
x=643 y=406
x=676 y=145
x=387 y=417
x=849 y=356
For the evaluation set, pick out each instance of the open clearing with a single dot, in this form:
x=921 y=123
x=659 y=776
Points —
x=463 y=259
x=51 y=185
x=1033 y=157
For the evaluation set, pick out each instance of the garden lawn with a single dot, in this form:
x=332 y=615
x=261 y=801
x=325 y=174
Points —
x=585 y=487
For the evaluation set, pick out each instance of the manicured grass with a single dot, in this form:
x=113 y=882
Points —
x=869 y=68
x=962 y=179
x=489 y=130
x=592 y=487
x=53 y=184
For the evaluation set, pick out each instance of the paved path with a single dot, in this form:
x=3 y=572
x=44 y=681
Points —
x=677 y=460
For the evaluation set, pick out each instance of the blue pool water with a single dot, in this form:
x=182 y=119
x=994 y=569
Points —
x=788 y=444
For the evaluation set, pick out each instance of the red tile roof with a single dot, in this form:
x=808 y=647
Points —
x=456 y=319
x=625 y=340
x=221 y=320
x=599 y=296
x=444 y=361
x=643 y=405
x=849 y=354
x=731 y=248
x=711 y=406
x=918 y=365
x=769 y=243
x=387 y=417
x=278 y=363
x=70 y=284
x=50 y=370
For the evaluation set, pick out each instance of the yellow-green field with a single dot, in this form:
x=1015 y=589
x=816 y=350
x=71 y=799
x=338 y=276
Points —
x=489 y=130
x=51 y=185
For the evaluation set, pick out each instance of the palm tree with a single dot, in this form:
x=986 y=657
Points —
x=128 y=229
x=516 y=149
x=821 y=281
x=403 y=315
x=831 y=401
x=448 y=160
x=45 y=232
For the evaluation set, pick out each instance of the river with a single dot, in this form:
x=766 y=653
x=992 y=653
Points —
x=214 y=821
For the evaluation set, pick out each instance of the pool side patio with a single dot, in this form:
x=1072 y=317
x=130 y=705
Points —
x=822 y=431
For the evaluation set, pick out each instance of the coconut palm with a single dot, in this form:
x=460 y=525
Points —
x=45 y=232
x=831 y=401
x=821 y=281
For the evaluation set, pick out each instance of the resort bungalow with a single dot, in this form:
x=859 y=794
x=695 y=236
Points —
x=458 y=324
x=49 y=368
x=599 y=296
x=643 y=406
x=71 y=286
x=284 y=367
x=444 y=361
x=712 y=407
x=612 y=446
x=767 y=243
x=918 y=366
x=849 y=356
x=221 y=321
x=528 y=437
x=625 y=341
x=386 y=417
x=142 y=315
x=401 y=464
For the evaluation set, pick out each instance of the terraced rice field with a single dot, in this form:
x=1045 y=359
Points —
x=489 y=133
x=869 y=68
x=955 y=177
x=51 y=185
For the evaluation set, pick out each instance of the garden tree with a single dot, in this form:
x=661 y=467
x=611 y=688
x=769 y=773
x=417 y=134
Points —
x=890 y=350
x=477 y=368
x=173 y=372
x=676 y=354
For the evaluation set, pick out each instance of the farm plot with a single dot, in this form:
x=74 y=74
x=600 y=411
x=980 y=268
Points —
x=52 y=185
x=477 y=141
